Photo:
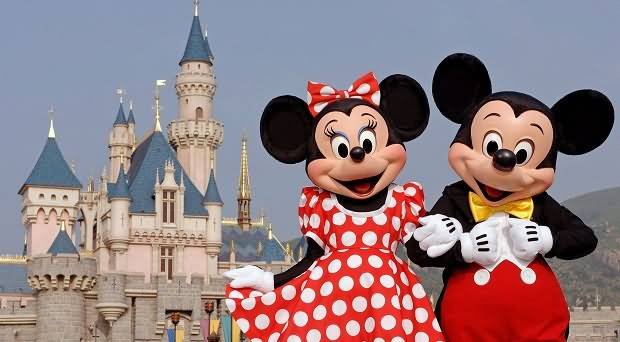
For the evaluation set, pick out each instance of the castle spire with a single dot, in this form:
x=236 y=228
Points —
x=196 y=3
x=196 y=49
x=244 y=193
x=51 y=133
x=158 y=85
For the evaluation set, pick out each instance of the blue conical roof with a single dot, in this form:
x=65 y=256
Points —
x=130 y=118
x=120 y=189
x=62 y=244
x=212 y=195
x=197 y=48
x=51 y=169
x=120 y=116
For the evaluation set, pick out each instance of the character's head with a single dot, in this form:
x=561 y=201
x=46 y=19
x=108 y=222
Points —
x=352 y=141
x=508 y=142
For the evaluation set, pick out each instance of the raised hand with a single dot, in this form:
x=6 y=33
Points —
x=250 y=276
x=437 y=234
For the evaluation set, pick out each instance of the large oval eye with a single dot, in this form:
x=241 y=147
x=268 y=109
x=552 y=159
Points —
x=368 y=140
x=524 y=151
x=340 y=146
x=492 y=143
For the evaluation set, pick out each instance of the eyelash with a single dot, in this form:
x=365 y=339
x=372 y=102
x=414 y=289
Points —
x=372 y=124
x=330 y=133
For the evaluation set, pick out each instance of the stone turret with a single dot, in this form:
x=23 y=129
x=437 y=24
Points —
x=120 y=144
x=120 y=200
x=213 y=203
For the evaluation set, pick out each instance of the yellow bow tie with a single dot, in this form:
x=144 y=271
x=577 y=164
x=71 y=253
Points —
x=522 y=209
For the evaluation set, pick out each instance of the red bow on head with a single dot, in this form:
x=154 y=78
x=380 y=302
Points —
x=365 y=88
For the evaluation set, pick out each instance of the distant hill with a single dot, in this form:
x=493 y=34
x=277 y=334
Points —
x=585 y=278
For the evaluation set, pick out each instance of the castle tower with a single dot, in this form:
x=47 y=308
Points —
x=120 y=200
x=61 y=276
x=213 y=203
x=120 y=143
x=195 y=135
x=131 y=123
x=49 y=195
x=244 y=193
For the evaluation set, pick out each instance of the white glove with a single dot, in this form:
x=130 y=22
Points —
x=480 y=244
x=250 y=276
x=437 y=234
x=527 y=239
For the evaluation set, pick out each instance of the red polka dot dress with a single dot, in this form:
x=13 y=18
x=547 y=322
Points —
x=358 y=291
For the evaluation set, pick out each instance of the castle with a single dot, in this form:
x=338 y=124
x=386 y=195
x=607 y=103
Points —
x=113 y=261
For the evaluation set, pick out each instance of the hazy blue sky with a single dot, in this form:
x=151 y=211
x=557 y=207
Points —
x=74 y=54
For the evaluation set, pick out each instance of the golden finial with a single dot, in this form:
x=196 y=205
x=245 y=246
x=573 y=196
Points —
x=287 y=248
x=244 y=191
x=51 y=133
x=158 y=85
x=269 y=232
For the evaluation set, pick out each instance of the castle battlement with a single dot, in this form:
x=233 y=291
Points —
x=63 y=271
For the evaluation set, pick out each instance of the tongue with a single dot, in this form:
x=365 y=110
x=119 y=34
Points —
x=362 y=188
x=493 y=192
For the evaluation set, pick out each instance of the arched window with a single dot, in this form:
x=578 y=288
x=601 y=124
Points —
x=65 y=198
x=41 y=196
x=53 y=197
x=199 y=113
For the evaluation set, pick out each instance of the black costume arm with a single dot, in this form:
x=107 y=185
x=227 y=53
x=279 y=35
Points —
x=451 y=257
x=314 y=252
x=572 y=238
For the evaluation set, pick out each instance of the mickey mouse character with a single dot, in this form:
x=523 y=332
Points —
x=497 y=285
x=350 y=285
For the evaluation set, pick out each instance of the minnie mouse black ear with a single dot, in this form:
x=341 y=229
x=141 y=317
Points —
x=584 y=119
x=460 y=82
x=285 y=129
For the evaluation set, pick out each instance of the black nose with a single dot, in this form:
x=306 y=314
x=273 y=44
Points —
x=504 y=160
x=357 y=154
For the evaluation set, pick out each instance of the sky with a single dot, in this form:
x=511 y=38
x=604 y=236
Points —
x=75 y=54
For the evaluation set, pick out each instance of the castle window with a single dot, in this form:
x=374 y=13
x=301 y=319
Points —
x=65 y=198
x=186 y=101
x=53 y=197
x=166 y=260
x=199 y=113
x=41 y=196
x=168 y=206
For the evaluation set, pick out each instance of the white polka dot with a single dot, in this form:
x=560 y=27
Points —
x=315 y=221
x=302 y=200
x=378 y=339
x=369 y=325
x=387 y=281
x=395 y=222
x=334 y=266
x=398 y=339
x=332 y=239
x=261 y=321
x=327 y=288
x=418 y=291
x=395 y=302
x=380 y=219
x=338 y=219
x=339 y=307
x=398 y=188
x=231 y=305
x=268 y=298
x=326 y=227
x=319 y=312
x=353 y=328
x=313 y=336
x=421 y=315
x=403 y=211
x=243 y=324
x=391 y=202
x=358 y=220
x=369 y=239
x=409 y=227
x=313 y=201
x=421 y=337
x=274 y=337
x=359 y=304
x=327 y=204
x=436 y=325
x=235 y=294
x=377 y=301
x=345 y=283
x=415 y=209
x=407 y=326
x=354 y=261
x=392 y=266
x=300 y=318
x=375 y=261
x=307 y=295
x=364 y=88
x=407 y=302
x=288 y=292
x=376 y=97
x=348 y=239
x=282 y=316
x=386 y=240
x=327 y=90
x=301 y=221
x=410 y=191
x=306 y=219
x=332 y=332
x=293 y=338
x=248 y=303
x=255 y=293
x=388 y=322
x=319 y=106
x=316 y=273
x=366 y=280
x=404 y=279
x=394 y=246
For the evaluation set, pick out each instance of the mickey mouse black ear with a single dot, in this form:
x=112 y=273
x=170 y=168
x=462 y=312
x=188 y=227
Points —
x=460 y=81
x=403 y=99
x=285 y=129
x=584 y=119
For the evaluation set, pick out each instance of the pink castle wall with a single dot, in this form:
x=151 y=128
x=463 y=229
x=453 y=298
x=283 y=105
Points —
x=194 y=261
x=139 y=260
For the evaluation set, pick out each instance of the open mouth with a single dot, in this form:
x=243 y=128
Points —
x=362 y=186
x=492 y=193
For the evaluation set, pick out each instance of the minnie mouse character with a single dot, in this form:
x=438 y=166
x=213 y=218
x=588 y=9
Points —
x=350 y=285
x=497 y=285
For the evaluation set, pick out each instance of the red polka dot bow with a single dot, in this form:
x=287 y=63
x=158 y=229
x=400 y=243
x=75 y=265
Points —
x=365 y=88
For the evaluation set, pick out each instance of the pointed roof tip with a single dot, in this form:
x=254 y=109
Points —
x=130 y=117
x=120 y=116
x=212 y=195
x=120 y=189
x=51 y=134
x=62 y=243
x=197 y=48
